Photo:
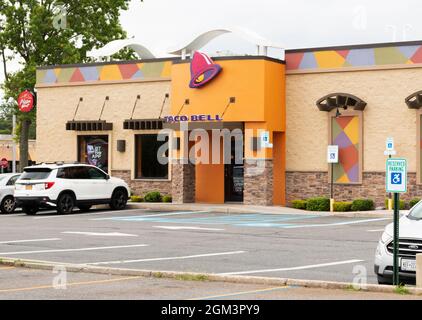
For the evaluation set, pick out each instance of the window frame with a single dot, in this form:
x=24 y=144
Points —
x=352 y=113
x=101 y=136
x=135 y=153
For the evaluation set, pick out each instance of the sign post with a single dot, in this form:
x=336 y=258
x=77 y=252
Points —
x=389 y=151
x=396 y=182
x=332 y=157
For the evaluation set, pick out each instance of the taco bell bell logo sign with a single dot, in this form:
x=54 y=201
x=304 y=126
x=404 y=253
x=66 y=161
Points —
x=202 y=70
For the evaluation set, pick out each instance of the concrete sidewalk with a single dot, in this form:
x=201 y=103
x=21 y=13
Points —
x=242 y=208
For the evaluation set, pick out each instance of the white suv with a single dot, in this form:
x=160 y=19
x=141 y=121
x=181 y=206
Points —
x=410 y=244
x=66 y=186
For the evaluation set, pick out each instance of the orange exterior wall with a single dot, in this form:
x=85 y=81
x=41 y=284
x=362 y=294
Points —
x=209 y=181
x=279 y=163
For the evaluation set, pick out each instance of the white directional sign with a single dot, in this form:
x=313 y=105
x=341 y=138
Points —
x=396 y=175
x=389 y=147
x=332 y=154
x=265 y=140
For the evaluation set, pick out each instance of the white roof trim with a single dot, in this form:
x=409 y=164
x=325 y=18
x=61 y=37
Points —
x=204 y=38
x=115 y=46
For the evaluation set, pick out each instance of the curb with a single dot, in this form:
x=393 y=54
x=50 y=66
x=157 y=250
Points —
x=263 y=210
x=193 y=276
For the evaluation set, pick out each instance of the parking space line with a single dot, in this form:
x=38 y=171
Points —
x=242 y=293
x=334 y=224
x=312 y=266
x=168 y=258
x=71 y=284
x=375 y=230
x=129 y=218
x=187 y=228
x=29 y=240
x=73 y=250
x=75 y=214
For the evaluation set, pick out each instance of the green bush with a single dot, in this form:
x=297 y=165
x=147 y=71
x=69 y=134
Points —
x=136 y=199
x=167 y=199
x=318 y=204
x=402 y=204
x=299 y=204
x=153 y=196
x=362 y=205
x=342 y=206
x=413 y=202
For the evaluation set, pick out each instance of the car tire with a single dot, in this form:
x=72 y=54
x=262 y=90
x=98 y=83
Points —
x=7 y=205
x=30 y=210
x=118 y=199
x=84 y=207
x=384 y=280
x=65 y=203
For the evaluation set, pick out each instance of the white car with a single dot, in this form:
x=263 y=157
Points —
x=7 y=187
x=410 y=244
x=66 y=186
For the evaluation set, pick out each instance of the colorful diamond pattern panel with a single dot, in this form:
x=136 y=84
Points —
x=106 y=72
x=345 y=134
x=357 y=57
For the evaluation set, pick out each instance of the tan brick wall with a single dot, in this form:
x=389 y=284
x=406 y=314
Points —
x=258 y=182
x=141 y=187
x=56 y=105
x=386 y=114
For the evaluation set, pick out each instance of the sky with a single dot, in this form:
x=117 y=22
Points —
x=162 y=24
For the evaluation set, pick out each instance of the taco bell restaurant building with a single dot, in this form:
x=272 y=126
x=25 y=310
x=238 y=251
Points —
x=285 y=112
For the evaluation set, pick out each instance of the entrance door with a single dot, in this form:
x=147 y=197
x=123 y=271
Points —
x=233 y=177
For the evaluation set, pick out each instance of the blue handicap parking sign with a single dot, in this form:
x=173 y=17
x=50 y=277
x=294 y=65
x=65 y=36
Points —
x=396 y=178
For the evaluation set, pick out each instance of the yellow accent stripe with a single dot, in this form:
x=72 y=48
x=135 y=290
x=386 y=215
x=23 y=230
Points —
x=71 y=284
x=7 y=268
x=240 y=293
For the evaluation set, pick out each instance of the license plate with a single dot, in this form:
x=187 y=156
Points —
x=408 y=265
x=28 y=187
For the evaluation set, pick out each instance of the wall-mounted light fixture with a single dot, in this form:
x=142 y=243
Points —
x=186 y=103
x=231 y=100
x=121 y=145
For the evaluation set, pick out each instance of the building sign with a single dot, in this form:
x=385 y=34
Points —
x=202 y=70
x=332 y=154
x=396 y=175
x=193 y=118
x=26 y=101
x=389 y=147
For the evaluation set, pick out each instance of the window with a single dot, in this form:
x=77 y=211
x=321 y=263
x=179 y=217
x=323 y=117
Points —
x=12 y=180
x=77 y=172
x=147 y=148
x=346 y=132
x=94 y=173
x=93 y=150
x=35 y=173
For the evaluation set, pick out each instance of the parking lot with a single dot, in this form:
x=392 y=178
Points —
x=288 y=245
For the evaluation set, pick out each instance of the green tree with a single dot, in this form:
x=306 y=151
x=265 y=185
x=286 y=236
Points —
x=48 y=32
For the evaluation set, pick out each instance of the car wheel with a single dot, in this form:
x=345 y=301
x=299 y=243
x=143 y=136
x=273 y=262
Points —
x=84 y=207
x=118 y=200
x=384 y=280
x=7 y=205
x=65 y=203
x=30 y=210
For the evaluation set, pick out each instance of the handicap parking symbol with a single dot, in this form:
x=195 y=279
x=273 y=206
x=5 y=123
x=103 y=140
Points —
x=396 y=178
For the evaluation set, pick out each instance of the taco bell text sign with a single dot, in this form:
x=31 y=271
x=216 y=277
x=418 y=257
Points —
x=26 y=101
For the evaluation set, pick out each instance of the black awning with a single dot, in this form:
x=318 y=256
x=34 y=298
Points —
x=143 y=124
x=340 y=100
x=414 y=101
x=88 y=125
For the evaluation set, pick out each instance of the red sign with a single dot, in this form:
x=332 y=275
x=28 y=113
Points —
x=4 y=163
x=26 y=101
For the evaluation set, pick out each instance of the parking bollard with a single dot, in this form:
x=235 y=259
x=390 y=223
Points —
x=419 y=270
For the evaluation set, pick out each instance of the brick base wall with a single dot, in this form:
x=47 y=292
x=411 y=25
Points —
x=183 y=183
x=302 y=185
x=258 y=182
x=141 y=187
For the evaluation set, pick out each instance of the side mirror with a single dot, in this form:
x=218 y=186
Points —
x=107 y=176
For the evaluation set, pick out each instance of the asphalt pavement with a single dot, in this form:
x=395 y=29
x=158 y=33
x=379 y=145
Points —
x=275 y=245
